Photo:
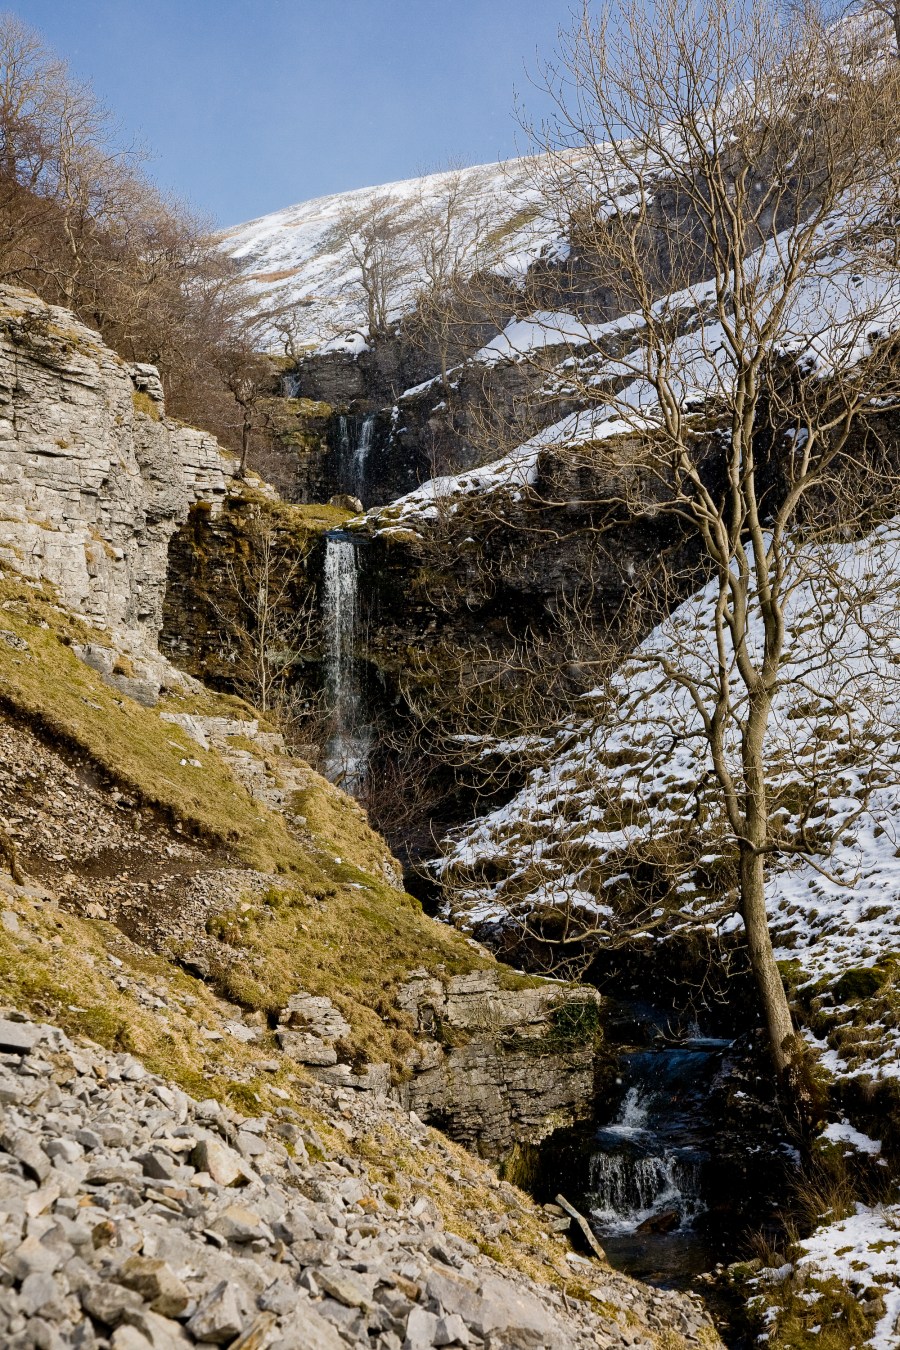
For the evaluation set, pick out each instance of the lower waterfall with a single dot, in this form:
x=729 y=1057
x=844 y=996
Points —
x=638 y=1181
x=647 y=1184
x=349 y=741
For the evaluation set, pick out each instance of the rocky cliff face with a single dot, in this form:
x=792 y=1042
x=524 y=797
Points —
x=501 y=1066
x=94 y=478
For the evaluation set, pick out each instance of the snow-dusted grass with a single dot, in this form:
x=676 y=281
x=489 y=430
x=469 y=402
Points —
x=293 y=260
x=848 y=301
x=863 y=1251
x=522 y=337
x=627 y=789
x=627 y=794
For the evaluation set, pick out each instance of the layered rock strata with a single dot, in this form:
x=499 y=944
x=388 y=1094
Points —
x=94 y=478
x=501 y=1066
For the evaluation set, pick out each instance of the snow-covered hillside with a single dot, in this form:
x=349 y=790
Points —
x=294 y=259
x=626 y=793
x=847 y=301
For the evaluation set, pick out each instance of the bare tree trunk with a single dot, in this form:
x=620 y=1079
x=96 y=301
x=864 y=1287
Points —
x=779 y=1023
x=246 y=428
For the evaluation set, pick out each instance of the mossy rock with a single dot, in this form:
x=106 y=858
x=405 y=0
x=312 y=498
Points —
x=143 y=403
x=576 y=1022
x=862 y=982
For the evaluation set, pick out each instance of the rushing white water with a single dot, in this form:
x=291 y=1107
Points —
x=637 y=1177
x=347 y=751
x=355 y=441
x=361 y=454
x=628 y=1191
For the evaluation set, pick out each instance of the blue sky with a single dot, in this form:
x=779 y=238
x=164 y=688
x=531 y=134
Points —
x=250 y=105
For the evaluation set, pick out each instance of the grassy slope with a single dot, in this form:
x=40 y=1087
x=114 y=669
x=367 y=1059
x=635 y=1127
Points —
x=328 y=901
x=319 y=927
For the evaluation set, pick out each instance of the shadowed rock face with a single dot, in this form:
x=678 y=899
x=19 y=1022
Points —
x=93 y=477
x=501 y=1066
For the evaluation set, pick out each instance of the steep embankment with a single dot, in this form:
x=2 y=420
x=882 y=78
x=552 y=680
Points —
x=133 y=1212
x=620 y=835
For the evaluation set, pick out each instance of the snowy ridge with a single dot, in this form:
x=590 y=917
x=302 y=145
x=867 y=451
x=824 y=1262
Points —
x=292 y=258
x=630 y=785
x=847 y=304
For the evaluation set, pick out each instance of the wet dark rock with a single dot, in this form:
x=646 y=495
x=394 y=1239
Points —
x=666 y=1222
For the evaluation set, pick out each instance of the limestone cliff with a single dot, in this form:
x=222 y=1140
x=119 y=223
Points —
x=94 y=478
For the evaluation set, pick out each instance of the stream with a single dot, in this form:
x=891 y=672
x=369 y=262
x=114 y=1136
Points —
x=687 y=1156
x=644 y=1192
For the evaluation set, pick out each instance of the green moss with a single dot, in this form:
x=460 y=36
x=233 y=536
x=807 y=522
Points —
x=154 y=760
x=516 y=980
x=334 y=912
x=300 y=518
x=793 y=975
x=521 y=1166
x=323 y=940
x=576 y=1022
x=308 y=407
x=860 y=983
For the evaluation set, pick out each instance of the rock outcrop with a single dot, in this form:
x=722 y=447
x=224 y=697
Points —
x=94 y=478
x=501 y=1066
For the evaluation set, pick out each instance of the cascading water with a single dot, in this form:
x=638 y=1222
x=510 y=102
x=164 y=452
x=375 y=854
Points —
x=361 y=454
x=645 y=1185
x=347 y=751
x=637 y=1181
x=355 y=438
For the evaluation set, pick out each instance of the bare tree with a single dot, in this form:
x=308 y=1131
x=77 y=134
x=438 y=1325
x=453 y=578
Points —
x=82 y=225
x=891 y=10
x=725 y=176
x=453 y=249
x=267 y=618
x=251 y=378
x=375 y=234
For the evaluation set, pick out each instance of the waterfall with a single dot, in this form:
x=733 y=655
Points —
x=347 y=751
x=355 y=439
x=646 y=1171
x=628 y=1190
x=361 y=455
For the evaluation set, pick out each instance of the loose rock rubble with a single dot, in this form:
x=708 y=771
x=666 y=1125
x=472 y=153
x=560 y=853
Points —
x=133 y=1217
x=88 y=842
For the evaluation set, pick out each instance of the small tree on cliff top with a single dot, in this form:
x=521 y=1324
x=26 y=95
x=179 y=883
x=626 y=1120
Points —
x=726 y=176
